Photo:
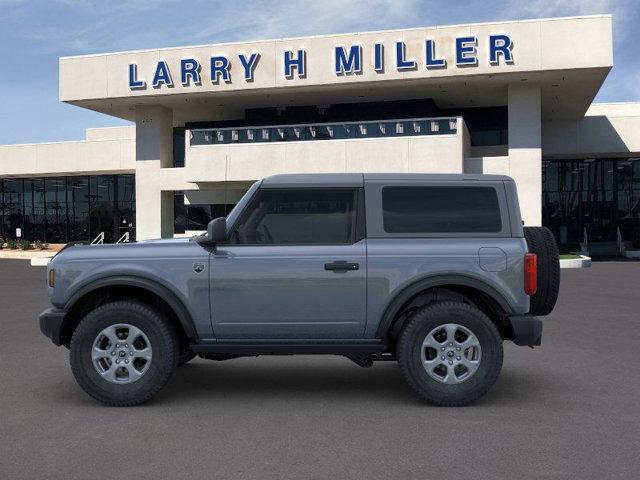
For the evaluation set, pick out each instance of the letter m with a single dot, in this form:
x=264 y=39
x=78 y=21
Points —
x=348 y=63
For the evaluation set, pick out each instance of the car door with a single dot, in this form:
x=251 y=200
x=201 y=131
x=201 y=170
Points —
x=295 y=268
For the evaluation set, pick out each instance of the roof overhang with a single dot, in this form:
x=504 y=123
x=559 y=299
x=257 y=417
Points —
x=568 y=57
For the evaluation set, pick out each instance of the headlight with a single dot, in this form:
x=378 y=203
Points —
x=52 y=277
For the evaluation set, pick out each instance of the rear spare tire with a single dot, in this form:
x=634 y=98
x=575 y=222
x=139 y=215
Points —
x=541 y=241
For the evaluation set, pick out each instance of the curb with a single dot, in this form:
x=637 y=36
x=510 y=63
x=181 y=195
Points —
x=40 y=261
x=582 y=262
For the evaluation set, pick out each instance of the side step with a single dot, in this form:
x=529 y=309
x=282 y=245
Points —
x=287 y=347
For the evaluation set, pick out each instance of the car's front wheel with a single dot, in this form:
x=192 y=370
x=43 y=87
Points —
x=123 y=353
x=450 y=353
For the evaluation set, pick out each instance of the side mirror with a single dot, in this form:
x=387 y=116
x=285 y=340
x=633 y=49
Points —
x=217 y=230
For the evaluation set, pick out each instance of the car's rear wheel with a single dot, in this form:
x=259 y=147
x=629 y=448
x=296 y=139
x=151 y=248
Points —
x=450 y=353
x=123 y=353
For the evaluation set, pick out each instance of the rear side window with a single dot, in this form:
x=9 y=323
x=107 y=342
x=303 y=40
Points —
x=441 y=209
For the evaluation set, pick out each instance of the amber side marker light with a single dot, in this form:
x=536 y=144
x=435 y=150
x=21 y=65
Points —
x=530 y=273
x=52 y=277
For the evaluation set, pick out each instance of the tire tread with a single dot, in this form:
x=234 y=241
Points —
x=166 y=330
x=404 y=344
x=541 y=241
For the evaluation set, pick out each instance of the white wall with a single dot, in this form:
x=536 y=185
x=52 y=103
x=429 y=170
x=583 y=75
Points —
x=487 y=165
x=548 y=44
x=606 y=129
x=216 y=193
x=247 y=162
x=111 y=133
x=99 y=156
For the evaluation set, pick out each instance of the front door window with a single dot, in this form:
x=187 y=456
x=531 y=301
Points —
x=298 y=217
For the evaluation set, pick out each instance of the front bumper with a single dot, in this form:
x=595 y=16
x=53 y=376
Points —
x=526 y=330
x=51 y=321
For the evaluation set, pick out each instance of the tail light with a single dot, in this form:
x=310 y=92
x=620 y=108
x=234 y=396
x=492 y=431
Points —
x=530 y=273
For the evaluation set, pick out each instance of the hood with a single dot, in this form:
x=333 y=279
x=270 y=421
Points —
x=162 y=240
x=121 y=250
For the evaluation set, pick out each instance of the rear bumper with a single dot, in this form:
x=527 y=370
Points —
x=526 y=330
x=51 y=321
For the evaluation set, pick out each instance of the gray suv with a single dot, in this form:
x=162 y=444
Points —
x=434 y=271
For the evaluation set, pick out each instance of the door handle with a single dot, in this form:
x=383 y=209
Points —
x=341 y=266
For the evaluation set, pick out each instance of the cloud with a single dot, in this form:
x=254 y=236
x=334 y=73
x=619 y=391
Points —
x=83 y=26
x=622 y=11
x=623 y=83
x=555 y=8
x=296 y=18
x=69 y=27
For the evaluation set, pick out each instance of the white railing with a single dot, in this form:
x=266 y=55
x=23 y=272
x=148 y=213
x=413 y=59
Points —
x=621 y=246
x=324 y=131
x=99 y=240
x=124 y=238
x=584 y=245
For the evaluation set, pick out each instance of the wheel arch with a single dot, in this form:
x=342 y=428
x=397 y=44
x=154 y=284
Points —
x=479 y=293
x=103 y=290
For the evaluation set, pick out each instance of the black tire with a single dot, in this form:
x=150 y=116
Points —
x=541 y=241
x=409 y=353
x=185 y=355
x=164 y=345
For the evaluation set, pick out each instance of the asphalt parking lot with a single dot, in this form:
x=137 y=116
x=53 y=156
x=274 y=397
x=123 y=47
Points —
x=569 y=409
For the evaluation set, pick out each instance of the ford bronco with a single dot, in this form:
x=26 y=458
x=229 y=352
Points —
x=432 y=271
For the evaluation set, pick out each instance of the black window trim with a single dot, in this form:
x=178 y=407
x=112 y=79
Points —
x=358 y=229
x=375 y=224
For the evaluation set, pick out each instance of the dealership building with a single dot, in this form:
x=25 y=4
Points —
x=510 y=98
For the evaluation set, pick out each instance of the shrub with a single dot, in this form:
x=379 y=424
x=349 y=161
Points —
x=12 y=244
x=38 y=245
x=25 y=245
x=45 y=246
x=1 y=243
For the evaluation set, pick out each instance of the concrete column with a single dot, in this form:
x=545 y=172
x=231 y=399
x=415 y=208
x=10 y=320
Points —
x=525 y=149
x=154 y=151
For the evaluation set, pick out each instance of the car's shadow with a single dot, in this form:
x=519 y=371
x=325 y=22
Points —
x=209 y=382
x=306 y=380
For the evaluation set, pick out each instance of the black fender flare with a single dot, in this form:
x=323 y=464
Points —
x=181 y=311
x=414 y=288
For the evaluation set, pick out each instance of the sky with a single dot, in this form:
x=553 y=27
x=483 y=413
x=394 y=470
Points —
x=35 y=33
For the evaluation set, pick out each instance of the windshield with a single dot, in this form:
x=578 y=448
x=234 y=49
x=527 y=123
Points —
x=233 y=214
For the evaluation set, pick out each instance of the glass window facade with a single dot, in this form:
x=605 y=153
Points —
x=178 y=147
x=65 y=209
x=599 y=195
